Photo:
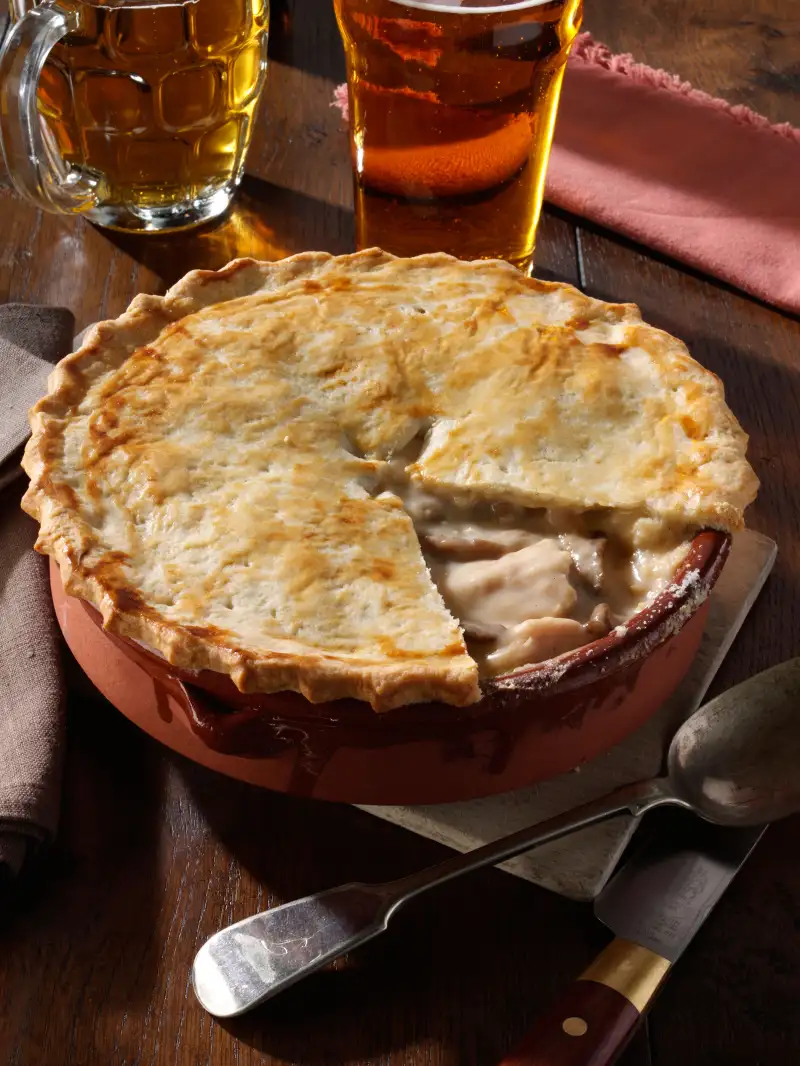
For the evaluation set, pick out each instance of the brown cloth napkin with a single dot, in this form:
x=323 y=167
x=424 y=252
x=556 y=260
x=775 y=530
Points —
x=31 y=691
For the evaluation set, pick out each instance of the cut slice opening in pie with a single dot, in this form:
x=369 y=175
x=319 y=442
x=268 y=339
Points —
x=377 y=477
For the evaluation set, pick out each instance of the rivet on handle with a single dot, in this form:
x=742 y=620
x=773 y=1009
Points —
x=575 y=1026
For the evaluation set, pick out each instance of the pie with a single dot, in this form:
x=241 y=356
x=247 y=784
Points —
x=376 y=477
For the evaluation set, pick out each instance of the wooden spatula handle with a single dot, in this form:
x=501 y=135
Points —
x=595 y=1017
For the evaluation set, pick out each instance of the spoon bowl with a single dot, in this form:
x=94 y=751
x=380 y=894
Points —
x=736 y=761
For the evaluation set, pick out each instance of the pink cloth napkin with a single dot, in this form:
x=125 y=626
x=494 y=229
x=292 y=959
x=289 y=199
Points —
x=644 y=154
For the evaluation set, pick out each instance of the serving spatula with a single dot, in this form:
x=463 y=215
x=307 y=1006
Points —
x=655 y=905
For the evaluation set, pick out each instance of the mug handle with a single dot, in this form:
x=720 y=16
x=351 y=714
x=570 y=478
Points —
x=32 y=160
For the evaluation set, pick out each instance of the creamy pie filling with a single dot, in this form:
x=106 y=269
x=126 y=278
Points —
x=530 y=584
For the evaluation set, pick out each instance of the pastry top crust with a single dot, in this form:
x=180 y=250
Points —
x=206 y=468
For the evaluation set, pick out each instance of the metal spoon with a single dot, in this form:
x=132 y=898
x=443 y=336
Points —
x=735 y=762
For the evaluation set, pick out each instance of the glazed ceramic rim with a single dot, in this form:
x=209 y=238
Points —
x=635 y=640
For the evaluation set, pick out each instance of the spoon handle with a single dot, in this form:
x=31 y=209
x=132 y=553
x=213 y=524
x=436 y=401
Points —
x=633 y=799
x=258 y=957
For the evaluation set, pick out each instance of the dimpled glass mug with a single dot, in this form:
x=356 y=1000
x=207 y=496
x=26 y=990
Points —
x=136 y=113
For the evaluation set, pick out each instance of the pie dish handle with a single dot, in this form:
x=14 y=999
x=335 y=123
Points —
x=233 y=731
x=32 y=159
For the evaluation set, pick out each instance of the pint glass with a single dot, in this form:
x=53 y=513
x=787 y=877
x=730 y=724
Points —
x=452 y=109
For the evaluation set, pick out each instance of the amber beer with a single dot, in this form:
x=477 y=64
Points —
x=157 y=101
x=452 y=108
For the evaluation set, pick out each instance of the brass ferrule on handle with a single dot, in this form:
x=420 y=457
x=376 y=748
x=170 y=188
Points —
x=635 y=972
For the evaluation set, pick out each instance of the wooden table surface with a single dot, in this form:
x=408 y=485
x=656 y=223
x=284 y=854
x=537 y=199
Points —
x=155 y=854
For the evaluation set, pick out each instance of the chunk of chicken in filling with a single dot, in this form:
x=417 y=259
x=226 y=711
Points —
x=530 y=585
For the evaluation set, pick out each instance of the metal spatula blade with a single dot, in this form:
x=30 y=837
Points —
x=655 y=904
x=665 y=891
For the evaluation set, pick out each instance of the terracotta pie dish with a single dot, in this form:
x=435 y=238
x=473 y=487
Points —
x=539 y=722
x=383 y=530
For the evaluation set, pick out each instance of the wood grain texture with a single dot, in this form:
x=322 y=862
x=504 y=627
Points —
x=155 y=854
x=746 y=51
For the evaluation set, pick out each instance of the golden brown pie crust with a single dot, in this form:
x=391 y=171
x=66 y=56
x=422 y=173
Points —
x=203 y=467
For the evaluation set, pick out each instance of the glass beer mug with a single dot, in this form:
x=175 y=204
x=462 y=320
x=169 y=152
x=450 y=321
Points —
x=136 y=113
x=452 y=109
